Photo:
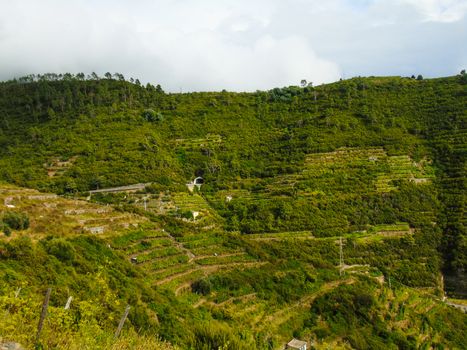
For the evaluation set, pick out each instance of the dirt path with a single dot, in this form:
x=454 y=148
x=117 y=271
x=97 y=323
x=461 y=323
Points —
x=182 y=287
x=347 y=267
x=457 y=306
x=174 y=276
x=243 y=297
x=180 y=246
x=282 y=238
x=199 y=303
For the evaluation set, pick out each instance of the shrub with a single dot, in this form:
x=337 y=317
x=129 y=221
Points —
x=151 y=116
x=61 y=249
x=187 y=214
x=6 y=230
x=202 y=286
x=16 y=220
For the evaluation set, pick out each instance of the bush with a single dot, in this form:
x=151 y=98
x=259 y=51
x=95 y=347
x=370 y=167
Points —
x=201 y=286
x=61 y=249
x=187 y=214
x=6 y=230
x=16 y=220
x=151 y=116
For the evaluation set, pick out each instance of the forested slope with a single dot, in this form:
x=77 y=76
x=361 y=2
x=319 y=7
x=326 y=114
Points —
x=239 y=140
x=380 y=162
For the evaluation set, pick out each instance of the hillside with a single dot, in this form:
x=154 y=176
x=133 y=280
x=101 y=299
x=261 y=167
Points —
x=373 y=166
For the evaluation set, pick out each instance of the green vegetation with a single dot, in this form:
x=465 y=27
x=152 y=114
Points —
x=252 y=258
x=12 y=220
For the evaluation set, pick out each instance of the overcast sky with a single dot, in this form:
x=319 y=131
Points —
x=241 y=45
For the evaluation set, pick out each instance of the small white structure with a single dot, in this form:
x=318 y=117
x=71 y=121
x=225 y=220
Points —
x=95 y=230
x=228 y=198
x=195 y=214
x=8 y=201
x=43 y=197
x=296 y=344
x=196 y=182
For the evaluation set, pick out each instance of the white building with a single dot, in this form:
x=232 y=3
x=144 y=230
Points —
x=296 y=344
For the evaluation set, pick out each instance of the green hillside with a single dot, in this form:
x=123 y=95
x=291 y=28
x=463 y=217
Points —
x=251 y=259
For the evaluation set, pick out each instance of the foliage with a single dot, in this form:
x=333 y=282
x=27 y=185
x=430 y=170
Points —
x=280 y=128
x=151 y=116
x=15 y=220
x=377 y=161
x=202 y=286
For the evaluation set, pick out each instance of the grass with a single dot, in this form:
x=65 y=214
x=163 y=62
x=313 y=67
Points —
x=148 y=243
x=214 y=249
x=220 y=260
x=126 y=239
x=172 y=270
x=59 y=216
x=168 y=262
x=203 y=242
x=157 y=253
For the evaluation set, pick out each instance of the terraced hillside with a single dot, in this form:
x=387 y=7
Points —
x=51 y=214
x=177 y=262
x=247 y=291
x=349 y=194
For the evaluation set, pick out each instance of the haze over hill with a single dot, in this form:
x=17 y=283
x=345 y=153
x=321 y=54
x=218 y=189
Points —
x=349 y=194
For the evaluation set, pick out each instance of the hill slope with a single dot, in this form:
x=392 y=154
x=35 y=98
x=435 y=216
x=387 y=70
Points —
x=204 y=289
x=379 y=162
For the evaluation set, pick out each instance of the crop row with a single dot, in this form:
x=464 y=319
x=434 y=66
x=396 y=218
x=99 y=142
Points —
x=158 y=253
x=148 y=244
x=169 y=261
x=134 y=236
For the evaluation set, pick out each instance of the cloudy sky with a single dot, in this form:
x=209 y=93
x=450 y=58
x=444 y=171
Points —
x=240 y=45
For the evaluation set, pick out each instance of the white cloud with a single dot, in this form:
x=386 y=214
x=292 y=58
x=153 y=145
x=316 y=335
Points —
x=440 y=10
x=238 y=45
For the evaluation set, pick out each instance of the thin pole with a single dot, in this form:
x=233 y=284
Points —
x=43 y=314
x=68 y=302
x=122 y=321
x=341 y=257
